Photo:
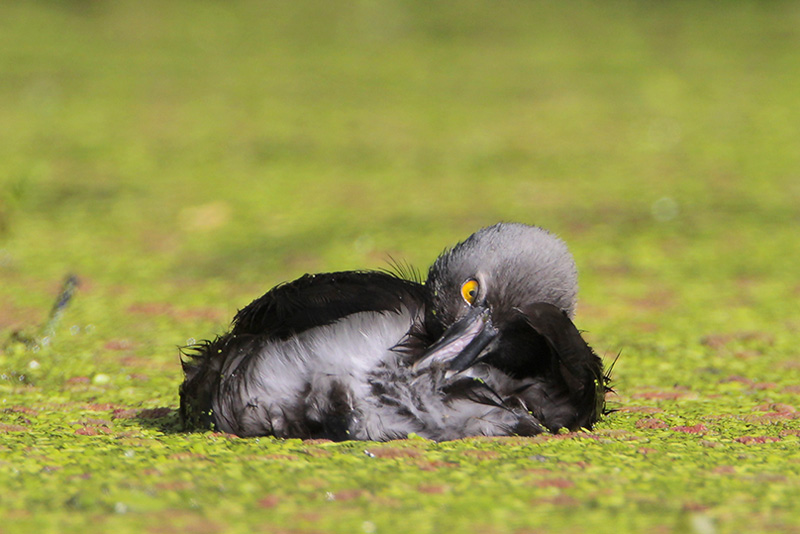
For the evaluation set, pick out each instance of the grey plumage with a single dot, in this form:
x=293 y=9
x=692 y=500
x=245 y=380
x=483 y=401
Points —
x=485 y=347
x=516 y=263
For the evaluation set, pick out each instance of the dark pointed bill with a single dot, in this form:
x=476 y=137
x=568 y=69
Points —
x=462 y=344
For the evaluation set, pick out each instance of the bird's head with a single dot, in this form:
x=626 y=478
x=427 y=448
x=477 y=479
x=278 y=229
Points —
x=500 y=268
x=483 y=282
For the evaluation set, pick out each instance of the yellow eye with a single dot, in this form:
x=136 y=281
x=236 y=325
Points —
x=469 y=291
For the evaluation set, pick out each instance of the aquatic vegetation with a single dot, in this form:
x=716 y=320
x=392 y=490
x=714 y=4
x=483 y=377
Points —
x=180 y=164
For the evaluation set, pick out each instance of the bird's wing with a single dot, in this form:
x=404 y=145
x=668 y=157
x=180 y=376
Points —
x=321 y=299
x=571 y=392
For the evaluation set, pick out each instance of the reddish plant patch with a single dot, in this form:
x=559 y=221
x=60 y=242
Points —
x=317 y=452
x=21 y=409
x=92 y=430
x=96 y=422
x=559 y=500
x=718 y=341
x=12 y=428
x=78 y=380
x=776 y=407
x=619 y=433
x=154 y=413
x=694 y=429
x=693 y=506
x=562 y=483
x=755 y=440
x=791 y=365
x=435 y=465
x=270 y=501
x=539 y=471
x=724 y=470
x=481 y=454
x=737 y=378
x=432 y=488
x=651 y=423
x=764 y=385
x=187 y=456
x=101 y=407
x=769 y=418
x=393 y=452
x=118 y=344
x=349 y=494
x=640 y=409
x=276 y=456
x=661 y=394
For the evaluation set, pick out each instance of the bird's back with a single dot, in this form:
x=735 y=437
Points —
x=294 y=355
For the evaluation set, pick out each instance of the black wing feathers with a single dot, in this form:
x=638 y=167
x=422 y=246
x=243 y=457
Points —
x=288 y=309
x=321 y=299
x=575 y=385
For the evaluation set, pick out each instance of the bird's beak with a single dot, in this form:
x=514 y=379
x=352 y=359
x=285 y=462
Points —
x=461 y=345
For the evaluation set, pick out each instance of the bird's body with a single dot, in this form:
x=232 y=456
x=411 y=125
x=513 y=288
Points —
x=484 y=347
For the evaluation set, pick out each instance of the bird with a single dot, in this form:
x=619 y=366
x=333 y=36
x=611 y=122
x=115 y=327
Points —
x=484 y=346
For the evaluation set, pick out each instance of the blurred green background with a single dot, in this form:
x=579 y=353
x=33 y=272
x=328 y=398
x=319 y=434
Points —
x=182 y=157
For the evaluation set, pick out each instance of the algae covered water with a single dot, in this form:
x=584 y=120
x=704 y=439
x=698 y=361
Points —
x=181 y=158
